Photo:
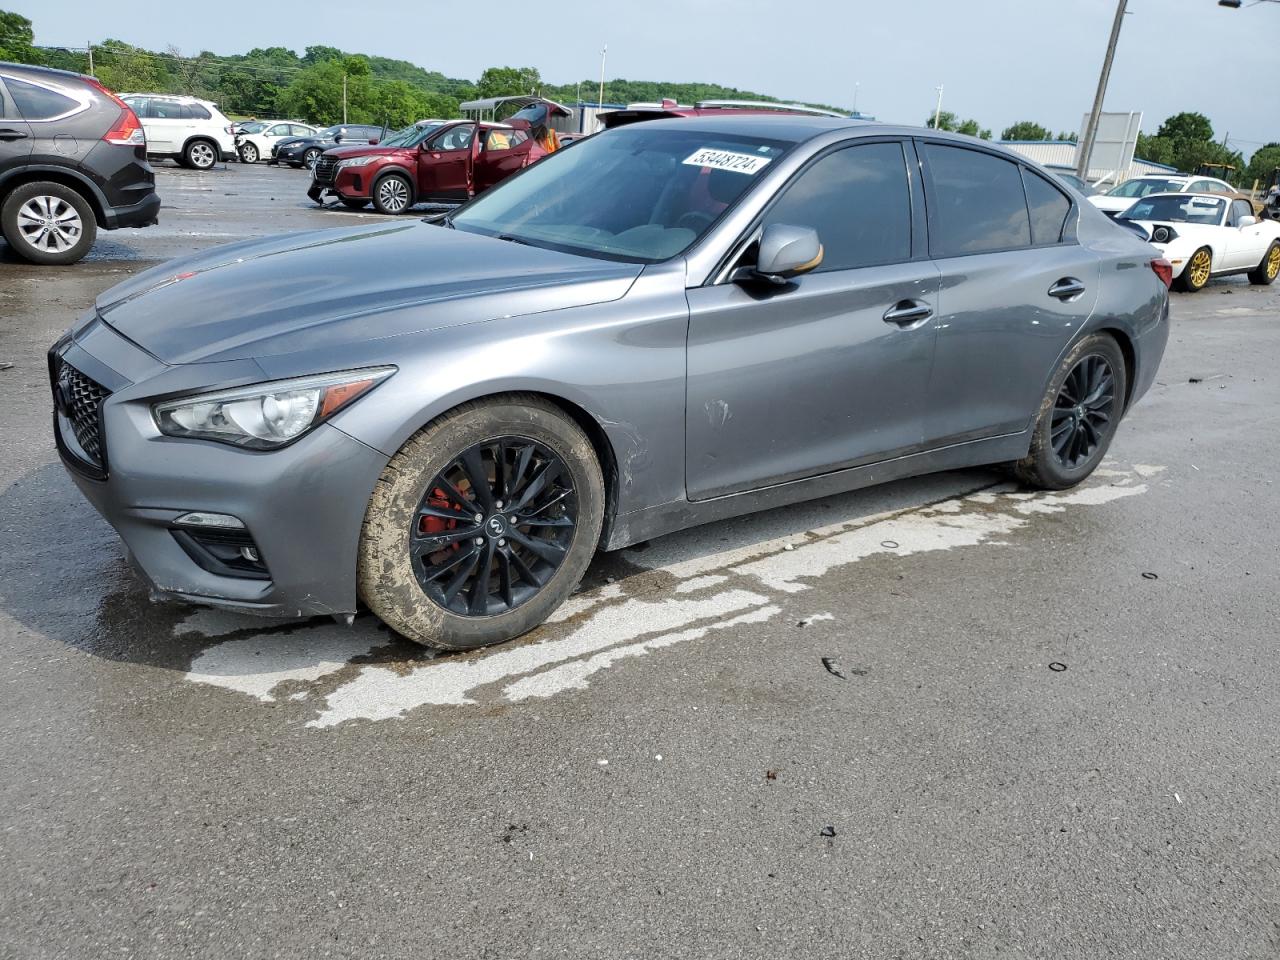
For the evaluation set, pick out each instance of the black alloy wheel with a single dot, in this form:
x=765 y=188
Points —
x=1083 y=411
x=310 y=157
x=495 y=525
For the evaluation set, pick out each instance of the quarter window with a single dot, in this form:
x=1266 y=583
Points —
x=38 y=103
x=1048 y=207
x=859 y=202
x=195 y=111
x=978 y=204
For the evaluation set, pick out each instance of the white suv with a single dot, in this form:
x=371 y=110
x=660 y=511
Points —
x=192 y=132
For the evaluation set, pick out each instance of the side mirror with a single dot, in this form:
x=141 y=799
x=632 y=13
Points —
x=373 y=141
x=1247 y=221
x=785 y=252
x=337 y=138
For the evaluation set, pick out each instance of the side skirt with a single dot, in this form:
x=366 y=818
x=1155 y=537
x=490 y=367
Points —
x=681 y=514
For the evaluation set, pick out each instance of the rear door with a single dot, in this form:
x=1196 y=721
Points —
x=503 y=151
x=817 y=375
x=1016 y=286
x=15 y=134
x=444 y=163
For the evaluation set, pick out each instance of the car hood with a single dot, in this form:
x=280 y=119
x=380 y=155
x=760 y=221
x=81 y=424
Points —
x=343 y=151
x=310 y=290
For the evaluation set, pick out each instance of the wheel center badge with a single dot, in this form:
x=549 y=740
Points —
x=496 y=526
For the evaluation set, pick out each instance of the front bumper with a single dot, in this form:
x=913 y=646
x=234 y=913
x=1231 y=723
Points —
x=303 y=505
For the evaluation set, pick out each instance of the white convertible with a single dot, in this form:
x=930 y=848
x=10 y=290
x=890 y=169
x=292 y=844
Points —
x=1205 y=236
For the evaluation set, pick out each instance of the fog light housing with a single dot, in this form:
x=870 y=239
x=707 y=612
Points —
x=222 y=550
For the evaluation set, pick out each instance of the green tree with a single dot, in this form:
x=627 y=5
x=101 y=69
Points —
x=508 y=82
x=16 y=39
x=1263 y=164
x=1187 y=127
x=1025 y=130
x=946 y=120
x=123 y=67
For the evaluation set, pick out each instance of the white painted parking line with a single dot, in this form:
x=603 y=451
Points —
x=594 y=631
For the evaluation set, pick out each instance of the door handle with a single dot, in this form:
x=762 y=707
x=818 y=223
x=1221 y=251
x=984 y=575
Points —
x=7 y=133
x=1068 y=288
x=908 y=313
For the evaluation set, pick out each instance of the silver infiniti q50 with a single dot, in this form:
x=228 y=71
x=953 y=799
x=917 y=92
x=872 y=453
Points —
x=669 y=323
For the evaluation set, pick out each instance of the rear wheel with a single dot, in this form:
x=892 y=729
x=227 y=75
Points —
x=482 y=524
x=1197 y=271
x=1266 y=272
x=48 y=223
x=200 y=155
x=248 y=153
x=1078 y=416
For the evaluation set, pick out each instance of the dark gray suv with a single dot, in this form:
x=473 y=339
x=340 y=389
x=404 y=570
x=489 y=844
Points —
x=73 y=159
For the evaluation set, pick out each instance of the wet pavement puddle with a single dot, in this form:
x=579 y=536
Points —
x=672 y=597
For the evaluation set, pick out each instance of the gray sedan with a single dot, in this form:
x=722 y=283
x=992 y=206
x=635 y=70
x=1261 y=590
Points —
x=671 y=323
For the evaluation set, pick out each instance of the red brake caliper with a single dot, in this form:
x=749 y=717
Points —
x=432 y=525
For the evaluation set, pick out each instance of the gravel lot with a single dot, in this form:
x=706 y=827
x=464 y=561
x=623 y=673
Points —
x=669 y=769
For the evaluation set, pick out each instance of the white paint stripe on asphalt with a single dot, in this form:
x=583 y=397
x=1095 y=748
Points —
x=379 y=693
x=259 y=664
x=573 y=675
x=610 y=627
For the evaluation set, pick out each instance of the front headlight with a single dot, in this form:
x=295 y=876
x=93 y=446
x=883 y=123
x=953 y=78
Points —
x=266 y=415
x=355 y=162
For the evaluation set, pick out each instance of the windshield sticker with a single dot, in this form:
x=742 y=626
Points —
x=1203 y=202
x=727 y=160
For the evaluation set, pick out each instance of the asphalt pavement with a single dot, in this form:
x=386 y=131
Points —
x=942 y=718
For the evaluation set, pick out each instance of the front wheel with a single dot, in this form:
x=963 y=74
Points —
x=392 y=194
x=310 y=157
x=48 y=223
x=1197 y=271
x=248 y=153
x=1269 y=268
x=1078 y=416
x=482 y=524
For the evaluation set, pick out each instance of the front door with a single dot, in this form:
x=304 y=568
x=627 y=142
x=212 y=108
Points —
x=444 y=164
x=1244 y=246
x=503 y=151
x=1015 y=289
x=832 y=370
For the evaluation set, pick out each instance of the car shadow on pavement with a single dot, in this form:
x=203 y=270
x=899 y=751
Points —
x=65 y=576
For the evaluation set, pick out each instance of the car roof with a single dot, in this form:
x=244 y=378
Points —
x=47 y=71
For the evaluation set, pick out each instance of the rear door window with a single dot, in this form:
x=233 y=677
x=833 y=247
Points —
x=977 y=204
x=39 y=103
x=858 y=200
x=1048 y=206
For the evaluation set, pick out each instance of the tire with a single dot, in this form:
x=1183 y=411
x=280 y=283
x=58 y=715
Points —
x=27 y=212
x=310 y=157
x=1189 y=281
x=412 y=594
x=200 y=154
x=1265 y=273
x=1052 y=462
x=354 y=203
x=392 y=194
x=248 y=153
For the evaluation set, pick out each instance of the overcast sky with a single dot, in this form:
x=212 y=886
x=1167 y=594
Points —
x=1000 y=60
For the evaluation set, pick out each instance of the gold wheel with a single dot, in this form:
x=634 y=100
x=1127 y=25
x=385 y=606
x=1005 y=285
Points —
x=1273 y=263
x=1199 y=267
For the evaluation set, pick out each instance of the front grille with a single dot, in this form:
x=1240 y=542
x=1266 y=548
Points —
x=79 y=400
x=324 y=169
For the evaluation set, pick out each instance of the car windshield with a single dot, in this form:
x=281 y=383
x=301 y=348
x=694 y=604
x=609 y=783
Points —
x=1177 y=209
x=410 y=136
x=328 y=133
x=637 y=194
x=254 y=126
x=1140 y=188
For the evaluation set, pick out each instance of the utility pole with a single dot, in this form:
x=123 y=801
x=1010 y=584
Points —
x=855 y=97
x=90 y=49
x=603 y=53
x=937 y=112
x=1085 y=150
x=344 y=98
